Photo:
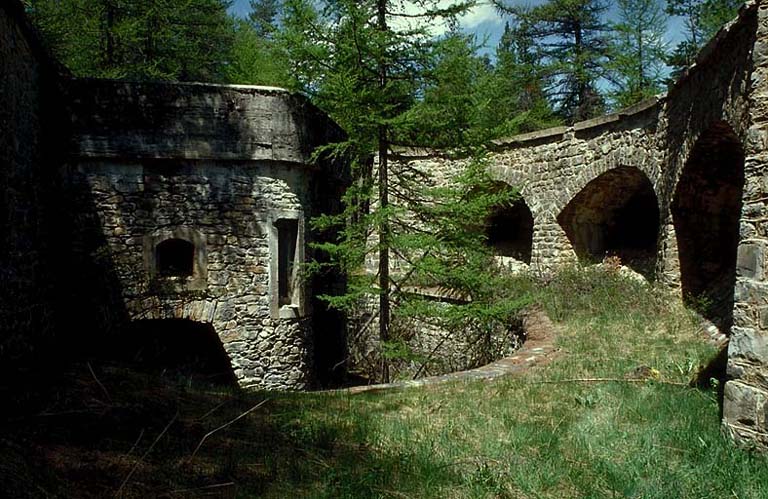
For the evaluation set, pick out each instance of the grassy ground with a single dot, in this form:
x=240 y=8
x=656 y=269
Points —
x=538 y=435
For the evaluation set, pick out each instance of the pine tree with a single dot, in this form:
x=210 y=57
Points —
x=638 y=51
x=571 y=38
x=138 y=39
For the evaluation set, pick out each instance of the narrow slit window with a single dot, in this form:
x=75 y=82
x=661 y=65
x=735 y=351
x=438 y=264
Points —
x=287 y=234
x=175 y=257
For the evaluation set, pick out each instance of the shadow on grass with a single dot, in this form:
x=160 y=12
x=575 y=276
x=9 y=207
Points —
x=119 y=432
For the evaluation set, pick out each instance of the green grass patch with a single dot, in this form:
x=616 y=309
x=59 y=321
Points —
x=539 y=435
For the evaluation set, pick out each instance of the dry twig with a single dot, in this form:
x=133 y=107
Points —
x=194 y=453
x=103 y=388
x=135 y=466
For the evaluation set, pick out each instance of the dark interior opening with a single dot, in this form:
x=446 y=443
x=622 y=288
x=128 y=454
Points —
x=287 y=233
x=705 y=211
x=177 y=347
x=175 y=257
x=615 y=215
x=509 y=230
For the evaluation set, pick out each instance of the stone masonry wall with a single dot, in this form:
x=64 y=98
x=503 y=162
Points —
x=28 y=114
x=220 y=168
x=228 y=211
x=745 y=406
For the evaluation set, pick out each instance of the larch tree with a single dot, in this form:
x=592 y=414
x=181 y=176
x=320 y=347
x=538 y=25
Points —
x=512 y=98
x=367 y=63
x=571 y=37
x=638 y=52
x=138 y=39
x=702 y=19
x=258 y=57
x=445 y=115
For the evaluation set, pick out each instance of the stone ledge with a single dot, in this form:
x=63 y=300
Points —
x=523 y=138
x=596 y=122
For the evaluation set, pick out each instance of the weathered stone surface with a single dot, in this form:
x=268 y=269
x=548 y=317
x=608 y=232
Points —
x=749 y=344
x=30 y=126
x=744 y=406
x=750 y=260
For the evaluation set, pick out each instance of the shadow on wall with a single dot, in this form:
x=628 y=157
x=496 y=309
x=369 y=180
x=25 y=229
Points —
x=616 y=214
x=705 y=211
x=94 y=311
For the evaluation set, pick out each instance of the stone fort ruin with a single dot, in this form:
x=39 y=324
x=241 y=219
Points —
x=125 y=202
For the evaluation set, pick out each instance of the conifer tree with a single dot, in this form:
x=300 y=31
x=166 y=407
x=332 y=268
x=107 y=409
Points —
x=571 y=37
x=638 y=51
x=256 y=59
x=446 y=114
x=362 y=62
x=263 y=16
x=512 y=97
x=138 y=39
x=702 y=18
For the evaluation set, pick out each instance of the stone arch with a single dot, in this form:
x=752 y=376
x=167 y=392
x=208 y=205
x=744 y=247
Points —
x=181 y=346
x=615 y=214
x=705 y=209
x=509 y=230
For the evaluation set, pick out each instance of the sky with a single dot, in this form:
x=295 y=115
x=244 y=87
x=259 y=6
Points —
x=487 y=25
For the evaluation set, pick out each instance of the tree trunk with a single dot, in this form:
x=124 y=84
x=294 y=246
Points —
x=384 y=285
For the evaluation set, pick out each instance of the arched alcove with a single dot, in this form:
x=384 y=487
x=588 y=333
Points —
x=509 y=230
x=616 y=214
x=705 y=212
x=175 y=257
x=187 y=348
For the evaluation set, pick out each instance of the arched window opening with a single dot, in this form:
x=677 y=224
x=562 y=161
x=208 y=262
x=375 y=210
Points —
x=705 y=211
x=176 y=347
x=175 y=257
x=616 y=214
x=509 y=230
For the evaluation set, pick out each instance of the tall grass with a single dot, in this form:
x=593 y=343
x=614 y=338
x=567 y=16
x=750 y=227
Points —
x=544 y=434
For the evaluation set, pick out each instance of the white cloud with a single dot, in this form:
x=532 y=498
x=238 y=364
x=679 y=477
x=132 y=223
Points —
x=483 y=12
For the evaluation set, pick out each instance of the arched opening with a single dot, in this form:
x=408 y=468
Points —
x=705 y=212
x=177 y=347
x=509 y=230
x=175 y=257
x=615 y=215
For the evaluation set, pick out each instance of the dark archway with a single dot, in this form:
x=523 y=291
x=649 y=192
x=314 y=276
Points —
x=705 y=211
x=183 y=347
x=616 y=214
x=509 y=230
